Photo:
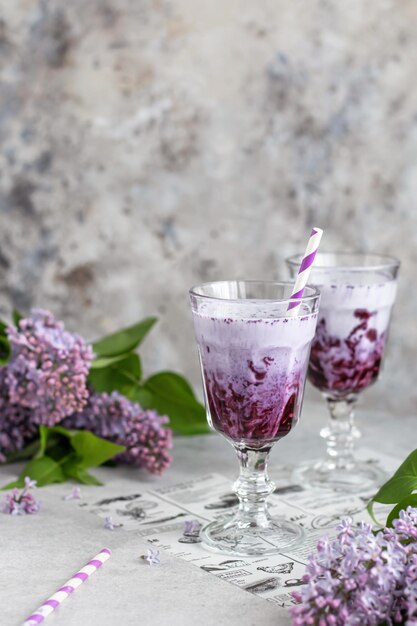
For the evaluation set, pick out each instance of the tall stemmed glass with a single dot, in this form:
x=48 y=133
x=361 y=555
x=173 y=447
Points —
x=357 y=295
x=254 y=360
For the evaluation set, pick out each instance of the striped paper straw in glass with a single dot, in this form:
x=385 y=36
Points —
x=304 y=271
x=71 y=585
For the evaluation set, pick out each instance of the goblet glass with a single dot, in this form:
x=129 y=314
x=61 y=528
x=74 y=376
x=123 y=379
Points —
x=357 y=295
x=254 y=360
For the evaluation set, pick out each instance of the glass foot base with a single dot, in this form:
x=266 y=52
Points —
x=352 y=477
x=234 y=537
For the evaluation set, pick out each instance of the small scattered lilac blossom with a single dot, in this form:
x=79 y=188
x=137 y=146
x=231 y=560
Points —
x=74 y=495
x=16 y=426
x=21 y=502
x=48 y=368
x=141 y=431
x=152 y=557
x=110 y=525
x=29 y=483
x=192 y=528
x=362 y=578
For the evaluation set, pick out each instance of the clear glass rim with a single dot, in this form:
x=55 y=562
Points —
x=313 y=295
x=381 y=261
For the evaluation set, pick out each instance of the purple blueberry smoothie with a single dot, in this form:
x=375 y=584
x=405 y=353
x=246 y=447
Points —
x=254 y=373
x=352 y=330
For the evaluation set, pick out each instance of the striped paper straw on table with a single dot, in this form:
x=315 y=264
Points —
x=71 y=585
x=304 y=271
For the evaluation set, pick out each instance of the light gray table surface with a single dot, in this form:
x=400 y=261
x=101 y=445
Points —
x=40 y=552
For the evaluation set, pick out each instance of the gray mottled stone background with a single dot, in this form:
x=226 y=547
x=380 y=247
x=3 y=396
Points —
x=149 y=145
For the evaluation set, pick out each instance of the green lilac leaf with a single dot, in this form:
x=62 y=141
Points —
x=180 y=381
x=70 y=453
x=410 y=500
x=12 y=485
x=169 y=394
x=370 y=509
x=93 y=450
x=119 y=375
x=172 y=383
x=402 y=483
x=59 y=448
x=106 y=361
x=4 y=350
x=142 y=396
x=49 y=435
x=73 y=470
x=124 y=340
x=87 y=479
x=16 y=317
x=4 y=344
x=44 y=470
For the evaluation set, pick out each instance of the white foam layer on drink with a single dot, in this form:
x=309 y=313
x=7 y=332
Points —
x=250 y=309
x=339 y=301
x=255 y=333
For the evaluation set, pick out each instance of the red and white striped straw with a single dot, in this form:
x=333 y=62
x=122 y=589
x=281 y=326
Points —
x=71 y=585
x=304 y=271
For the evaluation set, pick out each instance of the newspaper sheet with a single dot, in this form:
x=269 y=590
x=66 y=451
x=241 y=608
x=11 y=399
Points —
x=159 y=516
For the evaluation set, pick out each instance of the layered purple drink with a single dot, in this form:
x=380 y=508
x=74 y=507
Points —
x=357 y=296
x=253 y=372
x=254 y=358
x=347 y=351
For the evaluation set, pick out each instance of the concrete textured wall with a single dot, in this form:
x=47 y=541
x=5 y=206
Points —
x=149 y=145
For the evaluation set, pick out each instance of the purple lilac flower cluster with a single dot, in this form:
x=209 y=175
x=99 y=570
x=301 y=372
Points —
x=406 y=530
x=16 y=425
x=21 y=502
x=45 y=382
x=142 y=432
x=362 y=578
x=48 y=369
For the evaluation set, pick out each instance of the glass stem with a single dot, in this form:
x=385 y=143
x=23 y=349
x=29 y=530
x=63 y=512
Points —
x=340 y=433
x=253 y=487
